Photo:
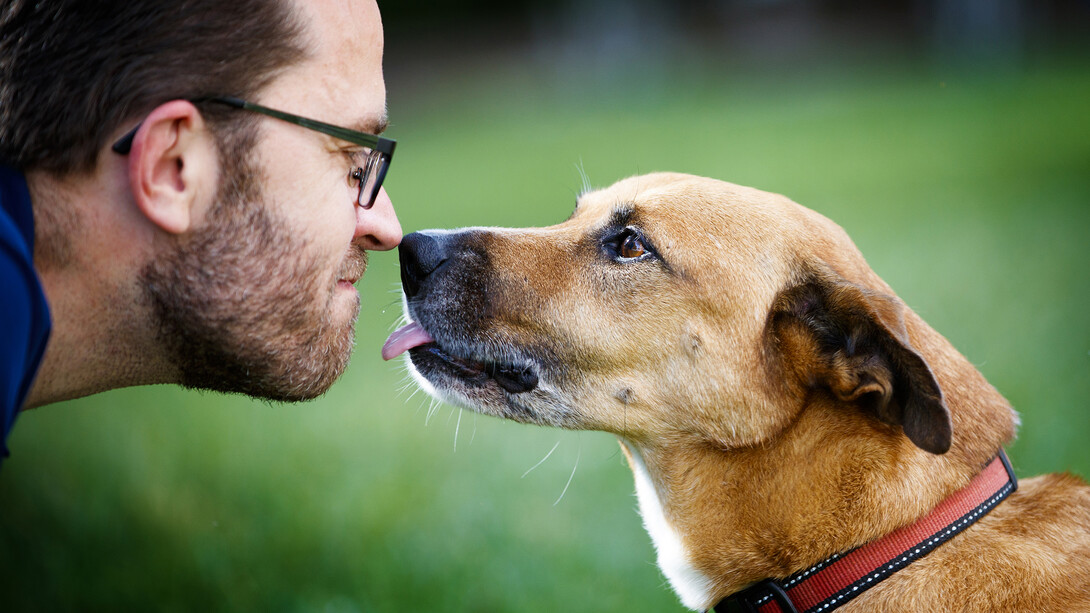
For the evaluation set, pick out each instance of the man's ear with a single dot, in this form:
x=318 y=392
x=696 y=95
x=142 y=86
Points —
x=850 y=341
x=173 y=166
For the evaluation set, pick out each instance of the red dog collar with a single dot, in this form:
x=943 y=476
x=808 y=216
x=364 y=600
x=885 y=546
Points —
x=842 y=577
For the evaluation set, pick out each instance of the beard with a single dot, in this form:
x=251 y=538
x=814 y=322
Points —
x=239 y=304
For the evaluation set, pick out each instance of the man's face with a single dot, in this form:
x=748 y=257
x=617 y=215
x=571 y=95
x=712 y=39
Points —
x=261 y=299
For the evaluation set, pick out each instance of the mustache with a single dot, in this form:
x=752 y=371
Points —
x=355 y=264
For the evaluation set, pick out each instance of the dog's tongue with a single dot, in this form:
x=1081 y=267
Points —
x=404 y=339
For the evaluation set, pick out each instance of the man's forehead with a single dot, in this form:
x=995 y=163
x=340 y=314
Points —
x=356 y=23
x=341 y=76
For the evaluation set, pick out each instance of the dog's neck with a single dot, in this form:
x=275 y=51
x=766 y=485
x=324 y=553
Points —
x=693 y=587
x=716 y=529
x=835 y=479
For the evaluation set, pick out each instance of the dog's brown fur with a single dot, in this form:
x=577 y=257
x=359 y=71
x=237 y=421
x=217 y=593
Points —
x=787 y=406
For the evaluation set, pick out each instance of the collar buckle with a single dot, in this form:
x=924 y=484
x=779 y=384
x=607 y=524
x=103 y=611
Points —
x=754 y=597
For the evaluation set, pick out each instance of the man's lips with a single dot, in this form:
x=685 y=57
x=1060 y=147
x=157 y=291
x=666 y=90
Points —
x=404 y=339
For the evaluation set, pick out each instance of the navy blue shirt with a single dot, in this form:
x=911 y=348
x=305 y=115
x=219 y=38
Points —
x=24 y=314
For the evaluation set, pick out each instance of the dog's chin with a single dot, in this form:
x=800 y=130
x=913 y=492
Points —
x=501 y=388
x=439 y=364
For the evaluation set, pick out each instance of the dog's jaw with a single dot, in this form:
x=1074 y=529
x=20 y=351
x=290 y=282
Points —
x=694 y=588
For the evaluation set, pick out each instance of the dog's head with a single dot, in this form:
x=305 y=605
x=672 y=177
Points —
x=666 y=304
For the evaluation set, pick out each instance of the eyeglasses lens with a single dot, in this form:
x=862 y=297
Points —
x=370 y=178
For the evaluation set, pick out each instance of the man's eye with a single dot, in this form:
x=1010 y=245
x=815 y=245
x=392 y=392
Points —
x=631 y=246
x=357 y=156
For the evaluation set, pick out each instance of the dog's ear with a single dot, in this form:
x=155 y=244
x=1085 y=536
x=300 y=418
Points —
x=851 y=341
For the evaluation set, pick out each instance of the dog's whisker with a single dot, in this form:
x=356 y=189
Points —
x=419 y=406
x=583 y=176
x=407 y=380
x=402 y=320
x=415 y=391
x=405 y=389
x=616 y=452
x=457 y=427
x=579 y=454
x=541 y=461
x=424 y=398
x=433 y=408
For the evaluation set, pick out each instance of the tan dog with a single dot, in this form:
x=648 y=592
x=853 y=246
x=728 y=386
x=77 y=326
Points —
x=778 y=405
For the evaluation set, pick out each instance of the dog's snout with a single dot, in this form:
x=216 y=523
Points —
x=421 y=254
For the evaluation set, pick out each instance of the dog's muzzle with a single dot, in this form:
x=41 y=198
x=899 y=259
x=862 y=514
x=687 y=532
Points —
x=424 y=257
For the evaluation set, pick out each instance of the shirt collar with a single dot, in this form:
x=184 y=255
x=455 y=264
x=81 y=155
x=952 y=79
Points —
x=15 y=200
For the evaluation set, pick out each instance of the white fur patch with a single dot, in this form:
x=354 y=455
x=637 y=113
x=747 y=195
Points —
x=692 y=586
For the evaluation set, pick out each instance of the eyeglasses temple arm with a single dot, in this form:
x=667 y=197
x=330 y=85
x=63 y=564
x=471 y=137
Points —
x=384 y=145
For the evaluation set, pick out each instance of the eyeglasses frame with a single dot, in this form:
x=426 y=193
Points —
x=382 y=148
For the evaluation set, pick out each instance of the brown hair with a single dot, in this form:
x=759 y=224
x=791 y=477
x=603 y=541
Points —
x=73 y=72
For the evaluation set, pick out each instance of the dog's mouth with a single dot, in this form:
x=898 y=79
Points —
x=428 y=356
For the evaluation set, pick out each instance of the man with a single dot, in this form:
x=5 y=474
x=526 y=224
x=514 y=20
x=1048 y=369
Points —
x=188 y=225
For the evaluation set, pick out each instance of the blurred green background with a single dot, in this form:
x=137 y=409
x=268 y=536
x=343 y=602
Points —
x=955 y=154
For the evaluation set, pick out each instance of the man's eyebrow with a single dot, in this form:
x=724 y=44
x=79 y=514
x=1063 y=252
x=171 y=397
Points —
x=372 y=126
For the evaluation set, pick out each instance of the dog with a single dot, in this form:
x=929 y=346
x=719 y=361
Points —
x=800 y=439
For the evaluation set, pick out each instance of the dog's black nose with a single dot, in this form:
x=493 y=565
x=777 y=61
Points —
x=421 y=253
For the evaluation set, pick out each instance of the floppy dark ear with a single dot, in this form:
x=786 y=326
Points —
x=851 y=341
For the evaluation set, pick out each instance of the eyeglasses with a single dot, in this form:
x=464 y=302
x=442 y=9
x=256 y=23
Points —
x=369 y=176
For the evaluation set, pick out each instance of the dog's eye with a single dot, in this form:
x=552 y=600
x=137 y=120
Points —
x=631 y=246
x=628 y=245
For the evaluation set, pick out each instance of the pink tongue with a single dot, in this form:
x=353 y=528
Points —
x=404 y=339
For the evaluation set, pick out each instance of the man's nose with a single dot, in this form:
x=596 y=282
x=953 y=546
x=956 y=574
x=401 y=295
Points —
x=377 y=228
x=421 y=254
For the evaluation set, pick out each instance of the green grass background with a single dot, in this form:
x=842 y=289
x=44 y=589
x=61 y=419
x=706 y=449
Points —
x=969 y=193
